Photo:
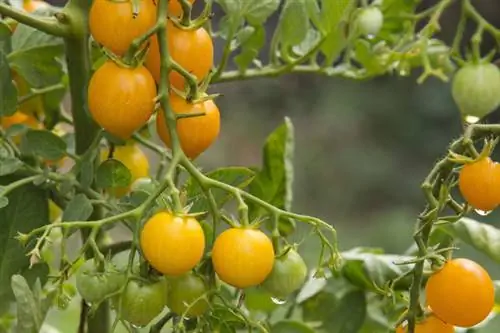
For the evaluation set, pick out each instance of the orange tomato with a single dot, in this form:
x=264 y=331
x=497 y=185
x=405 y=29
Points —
x=479 y=183
x=175 y=8
x=243 y=257
x=172 y=244
x=19 y=118
x=121 y=100
x=114 y=26
x=431 y=324
x=31 y=5
x=134 y=159
x=193 y=50
x=461 y=293
x=196 y=134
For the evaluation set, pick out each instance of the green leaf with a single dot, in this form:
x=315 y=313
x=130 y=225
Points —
x=293 y=23
x=8 y=91
x=273 y=183
x=255 y=38
x=291 y=326
x=4 y=201
x=371 y=270
x=28 y=209
x=255 y=12
x=112 y=174
x=483 y=237
x=9 y=165
x=5 y=37
x=335 y=14
x=27 y=39
x=46 y=144
x=29 y=318
x=78 y=209
x=236 y=176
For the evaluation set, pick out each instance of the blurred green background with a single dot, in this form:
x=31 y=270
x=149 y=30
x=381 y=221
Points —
x=362 y=149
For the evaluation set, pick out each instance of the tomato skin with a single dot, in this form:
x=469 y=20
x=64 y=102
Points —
x=121 y=100
x=162 y=240
x=141 y=302
x=370 y=21
x=193 y=50
x=183 y=292
x=132 y=156
x=479 y=184
x=113 y=25
x=196 y=134
x=243 y=257
x=461 y=293
x=431 y=324
x=475 y=89
x=93 y=286
x=288 y=275
x=175 y=8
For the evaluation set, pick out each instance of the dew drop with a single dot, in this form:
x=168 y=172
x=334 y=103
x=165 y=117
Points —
x=471 y=119
x=136 y=326
x=482 y=212
x=370 y=36
x=278 y=301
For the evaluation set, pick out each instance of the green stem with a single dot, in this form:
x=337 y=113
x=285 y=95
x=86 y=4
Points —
x=37 y=92
x=49 y=25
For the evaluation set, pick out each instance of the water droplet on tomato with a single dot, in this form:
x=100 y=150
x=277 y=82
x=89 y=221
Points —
x=137 y=326
x=278 y=301
x=482 y=212
x=471 y=119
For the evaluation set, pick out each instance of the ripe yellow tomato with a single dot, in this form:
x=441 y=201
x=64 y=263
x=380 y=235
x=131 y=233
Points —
x=243 y=257
x=32 y=106
x=431 y=324
x=196 y=134
x=461 y=293
x=479 y=183
x=172 y=244
x=134 y=159
x=31 y=5
x=114 y=26
x=193 y=50
x=175 y=8
x=19 y=118
x=121 y=100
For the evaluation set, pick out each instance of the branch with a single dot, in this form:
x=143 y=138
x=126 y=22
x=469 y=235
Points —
x=48 y=25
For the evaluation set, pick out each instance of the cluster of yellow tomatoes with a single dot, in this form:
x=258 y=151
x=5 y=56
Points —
x=461 y=294
x=123 y=97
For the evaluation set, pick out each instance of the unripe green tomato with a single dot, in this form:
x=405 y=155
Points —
x=370 y=21
x=288 y=275
x=142 y=302
x=93 y=286
x=145 y=184
x=476 y=89
x=183 y=292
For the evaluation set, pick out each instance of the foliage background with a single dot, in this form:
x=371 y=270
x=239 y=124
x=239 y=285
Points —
x=362 y=148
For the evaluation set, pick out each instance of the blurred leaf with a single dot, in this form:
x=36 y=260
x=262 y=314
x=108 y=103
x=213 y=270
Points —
x=310 y=288
x=291 y=326
x=8 y=91
x=394 y=27
x=320 y=306
x=370 y=270
x=112 y=174
x=255 y=12
x=293 y=23
x=28 y=209
x=273 y=183
x=45 y=144
x=5 y=35
x=335 y=14
x=349 y=315
x=250 y=46
x=236 y=176
x=26 y=39
x=86 y=170
x=78 y=209
x=9 y=165
x=482 y=237
x=28 y=315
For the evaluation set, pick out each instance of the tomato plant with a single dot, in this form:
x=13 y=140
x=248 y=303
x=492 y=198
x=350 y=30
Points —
x=109 y=213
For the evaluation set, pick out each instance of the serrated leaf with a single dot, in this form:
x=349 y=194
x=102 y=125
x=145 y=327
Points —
x=291 y=326
x=28 y=209
x=9 y=165
x=113 y=174
x=236 y=176
x=8 y=91
x=481 y=236
x=250 y=47
x=78 y=209
x=273 y=183
x=335 y=14
x=29 y=318
x=45 y=144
